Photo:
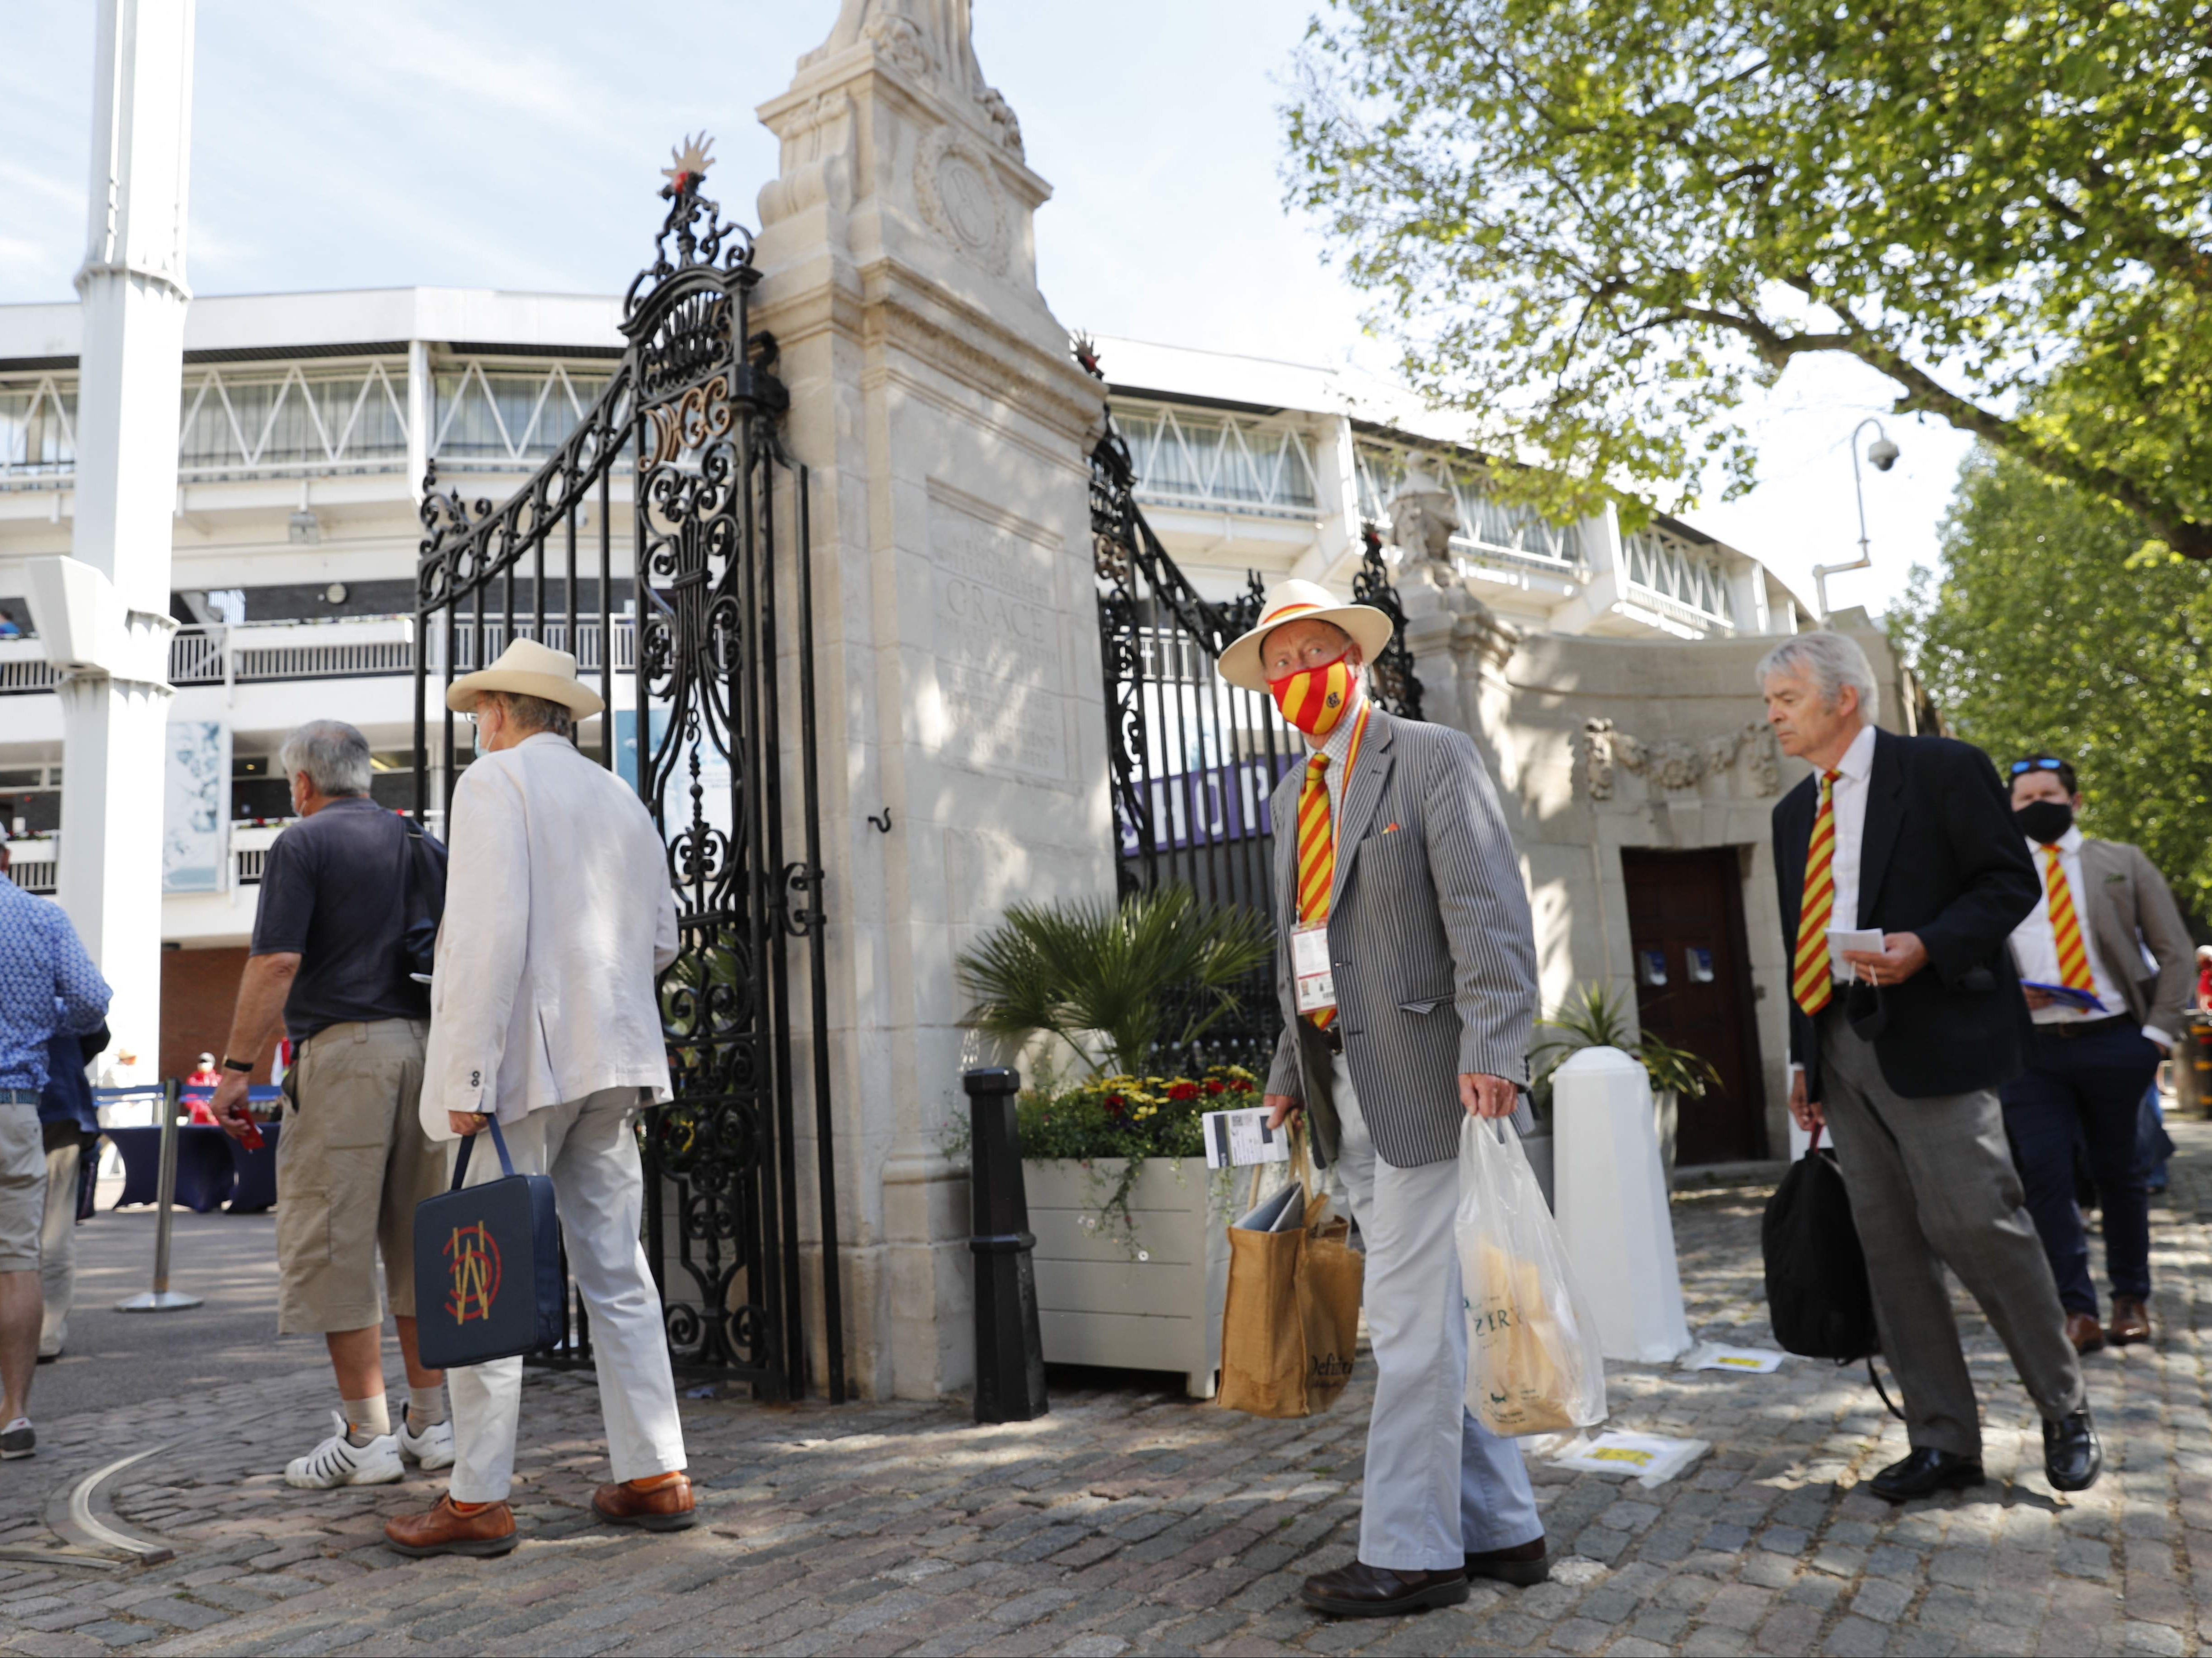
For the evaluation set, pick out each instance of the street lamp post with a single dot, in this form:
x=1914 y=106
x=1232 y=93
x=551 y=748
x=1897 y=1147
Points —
x=1883 y=453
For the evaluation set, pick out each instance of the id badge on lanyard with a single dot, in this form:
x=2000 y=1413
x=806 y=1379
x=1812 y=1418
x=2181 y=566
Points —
x=1311 y=972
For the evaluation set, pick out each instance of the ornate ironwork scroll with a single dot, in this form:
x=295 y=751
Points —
x=696 y=718
x=1390 y=677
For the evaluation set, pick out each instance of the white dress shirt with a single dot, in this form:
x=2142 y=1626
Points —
x=2035 y=947
x=1847 y=798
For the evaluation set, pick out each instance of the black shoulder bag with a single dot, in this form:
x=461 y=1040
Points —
x=1818 y=1299
x=422 y=900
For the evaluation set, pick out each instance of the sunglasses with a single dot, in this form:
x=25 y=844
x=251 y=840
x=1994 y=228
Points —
x=2020 y=766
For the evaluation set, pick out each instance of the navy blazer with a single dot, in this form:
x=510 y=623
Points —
x=1942 y=858
x=66 y=1096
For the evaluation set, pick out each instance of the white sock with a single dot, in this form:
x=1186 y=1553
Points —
x=367 y=1420
x=426 y=1407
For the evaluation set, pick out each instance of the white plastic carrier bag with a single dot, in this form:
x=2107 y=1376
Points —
x=1534 y=1363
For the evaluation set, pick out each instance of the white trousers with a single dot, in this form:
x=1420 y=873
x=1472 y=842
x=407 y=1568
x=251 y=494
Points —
x=1439 y=1485
x=58 y=1245
x=588 y=1148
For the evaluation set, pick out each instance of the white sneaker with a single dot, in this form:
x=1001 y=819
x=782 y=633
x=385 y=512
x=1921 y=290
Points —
x=337 y=1461
x=432 y=1448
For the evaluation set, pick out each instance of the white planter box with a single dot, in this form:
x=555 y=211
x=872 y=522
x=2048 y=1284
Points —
x=1095 y=1304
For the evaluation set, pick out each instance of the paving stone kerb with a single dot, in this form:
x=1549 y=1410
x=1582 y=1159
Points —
x=1129 y=1520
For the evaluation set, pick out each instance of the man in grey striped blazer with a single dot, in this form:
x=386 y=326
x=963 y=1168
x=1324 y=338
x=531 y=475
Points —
x=1430 y=950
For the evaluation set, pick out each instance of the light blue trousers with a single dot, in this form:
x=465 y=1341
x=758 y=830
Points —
x=1439 y=1485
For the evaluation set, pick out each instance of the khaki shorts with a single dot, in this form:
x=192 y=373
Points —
x=22 y=1187
x=351 y=1164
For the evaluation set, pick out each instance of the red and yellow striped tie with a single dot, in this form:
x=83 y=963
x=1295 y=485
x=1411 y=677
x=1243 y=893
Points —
x=1316 y=856
x=1812 y=978
x=2065 y=926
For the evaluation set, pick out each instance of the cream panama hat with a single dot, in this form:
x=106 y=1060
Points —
x=527 y=669
x=1301 y=601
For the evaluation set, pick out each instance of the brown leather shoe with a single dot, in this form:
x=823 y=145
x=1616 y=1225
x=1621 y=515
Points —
x=664 y=1508
x=447 y=1530
x=2085 y=1332
x=2131 y=1321
x=1523 y=1566
x=1360 y=1590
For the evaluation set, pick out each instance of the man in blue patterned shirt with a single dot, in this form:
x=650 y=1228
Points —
x=47 y=985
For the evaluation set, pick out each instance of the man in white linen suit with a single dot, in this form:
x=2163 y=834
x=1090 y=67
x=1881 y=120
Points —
x=544 y=1012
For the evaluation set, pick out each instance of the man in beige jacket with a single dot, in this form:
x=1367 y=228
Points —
x=2104 y=960
x=559 y=916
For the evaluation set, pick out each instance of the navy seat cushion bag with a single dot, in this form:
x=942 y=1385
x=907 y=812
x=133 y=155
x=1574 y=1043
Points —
x=488 y=1279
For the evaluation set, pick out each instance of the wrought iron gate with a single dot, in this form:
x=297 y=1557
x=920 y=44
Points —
x=1193 y=759
x=700 y=716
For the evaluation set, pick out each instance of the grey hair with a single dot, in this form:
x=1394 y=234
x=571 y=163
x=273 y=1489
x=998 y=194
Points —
x=331 y=753
x=1831 y=660
x=535 y=714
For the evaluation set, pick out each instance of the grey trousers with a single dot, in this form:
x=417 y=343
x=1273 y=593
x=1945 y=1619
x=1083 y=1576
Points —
x=1932 y=1184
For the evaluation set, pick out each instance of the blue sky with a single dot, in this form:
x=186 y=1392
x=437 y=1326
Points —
x=502 y=144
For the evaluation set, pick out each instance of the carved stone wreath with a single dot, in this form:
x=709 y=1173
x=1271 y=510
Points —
x=1677 y=764
x=957 y=188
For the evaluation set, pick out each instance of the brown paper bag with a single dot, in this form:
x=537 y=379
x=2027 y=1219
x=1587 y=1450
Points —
x=1290 y=1323
x=1530 y=1391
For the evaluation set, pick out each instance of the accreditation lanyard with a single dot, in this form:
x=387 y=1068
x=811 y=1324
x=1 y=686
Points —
x=1313 y=972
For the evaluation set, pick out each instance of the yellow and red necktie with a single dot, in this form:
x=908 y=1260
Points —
x=1812 y=978
x=2065 y=926
x=1318 y=844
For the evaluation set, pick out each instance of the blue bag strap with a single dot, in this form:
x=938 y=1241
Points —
x=468 y=1144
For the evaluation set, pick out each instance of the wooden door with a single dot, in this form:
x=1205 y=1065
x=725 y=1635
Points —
x=1693 y=991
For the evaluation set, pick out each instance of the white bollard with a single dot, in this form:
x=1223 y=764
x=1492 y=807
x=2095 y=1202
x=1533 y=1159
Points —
x=1613 y=1205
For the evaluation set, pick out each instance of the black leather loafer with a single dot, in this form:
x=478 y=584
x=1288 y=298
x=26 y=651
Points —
x=1523 y=1566
x=1360 y=1590
x=2072 y=1458
x=1925 y=1472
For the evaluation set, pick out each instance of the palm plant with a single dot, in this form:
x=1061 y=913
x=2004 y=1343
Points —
x=1600 y=1020
x=1115 y=982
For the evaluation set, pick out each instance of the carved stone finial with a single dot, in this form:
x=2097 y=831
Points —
x=1424 y=515
x=929 y=41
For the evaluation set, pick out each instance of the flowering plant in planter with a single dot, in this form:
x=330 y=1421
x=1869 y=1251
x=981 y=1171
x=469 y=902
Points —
x=1130 y=1118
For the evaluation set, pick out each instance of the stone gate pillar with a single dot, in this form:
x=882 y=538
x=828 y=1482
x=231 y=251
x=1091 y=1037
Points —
x=934 y=397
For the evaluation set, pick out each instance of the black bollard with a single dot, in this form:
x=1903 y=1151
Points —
x=1009 y=1351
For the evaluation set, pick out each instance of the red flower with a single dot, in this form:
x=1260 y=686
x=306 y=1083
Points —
x=1183 y=1091
x=1215 y=1085
x=1115 y=1104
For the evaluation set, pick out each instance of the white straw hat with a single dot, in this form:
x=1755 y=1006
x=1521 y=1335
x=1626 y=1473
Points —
x=527 y=669
x=1301 y=601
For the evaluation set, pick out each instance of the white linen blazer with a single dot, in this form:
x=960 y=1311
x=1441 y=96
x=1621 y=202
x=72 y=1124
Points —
x=558 y=918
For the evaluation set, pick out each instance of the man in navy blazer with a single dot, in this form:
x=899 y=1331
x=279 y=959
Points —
x=1899 y=1051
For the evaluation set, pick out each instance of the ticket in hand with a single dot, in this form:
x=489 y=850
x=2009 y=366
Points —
x=1238 y=1138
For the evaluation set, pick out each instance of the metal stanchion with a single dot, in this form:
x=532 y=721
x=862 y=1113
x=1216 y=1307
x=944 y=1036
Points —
x=1009 y=1351
x=162 y=1298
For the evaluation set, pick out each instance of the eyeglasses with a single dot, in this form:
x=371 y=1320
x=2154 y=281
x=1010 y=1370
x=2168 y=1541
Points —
x=2020 y=766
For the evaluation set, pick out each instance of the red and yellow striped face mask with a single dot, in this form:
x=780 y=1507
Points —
x=1315 y=698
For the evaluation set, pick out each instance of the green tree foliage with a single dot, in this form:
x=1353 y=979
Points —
x=2041 y=631
x=1593 y=224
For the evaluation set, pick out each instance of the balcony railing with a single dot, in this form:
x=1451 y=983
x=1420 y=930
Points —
x=364 y=648
x=32 y=866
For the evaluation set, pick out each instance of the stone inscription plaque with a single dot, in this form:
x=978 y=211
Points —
x=1001 y=669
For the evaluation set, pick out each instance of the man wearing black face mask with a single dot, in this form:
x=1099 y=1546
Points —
x=2103 y=1020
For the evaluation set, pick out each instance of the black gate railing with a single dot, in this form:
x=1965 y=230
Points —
x=701 y=726
x=1193 y=759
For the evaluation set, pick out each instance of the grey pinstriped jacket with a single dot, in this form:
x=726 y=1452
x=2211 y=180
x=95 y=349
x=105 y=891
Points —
x=1429 y=930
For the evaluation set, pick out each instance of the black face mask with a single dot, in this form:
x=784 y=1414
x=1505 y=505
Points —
x=2044 y=821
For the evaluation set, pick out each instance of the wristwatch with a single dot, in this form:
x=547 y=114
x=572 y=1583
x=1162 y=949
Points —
x=230 y=1064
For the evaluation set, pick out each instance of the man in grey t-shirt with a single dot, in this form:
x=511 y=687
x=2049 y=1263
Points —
x=352 y=1161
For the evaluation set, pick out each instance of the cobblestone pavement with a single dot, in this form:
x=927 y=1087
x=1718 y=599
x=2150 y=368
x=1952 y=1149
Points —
x=1133 y=1522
